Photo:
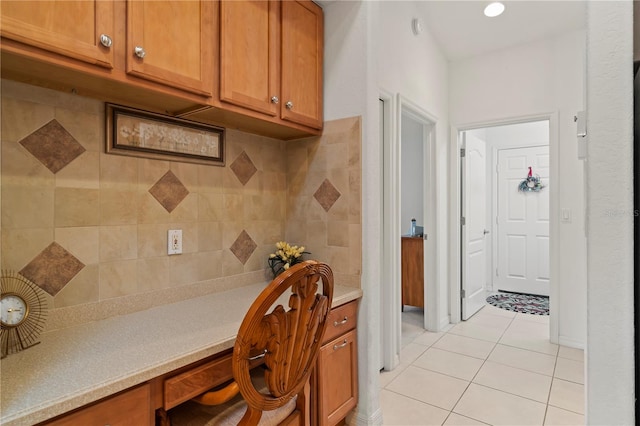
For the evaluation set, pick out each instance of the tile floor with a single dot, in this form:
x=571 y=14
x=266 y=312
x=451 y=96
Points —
x=497 y=368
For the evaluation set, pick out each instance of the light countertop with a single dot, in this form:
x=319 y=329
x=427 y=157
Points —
x=75 y=366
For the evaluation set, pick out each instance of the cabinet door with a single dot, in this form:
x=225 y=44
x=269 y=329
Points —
x=171 y=42
x=302 y=41
x=337 y=379
x=249 y=53
x=69 y=28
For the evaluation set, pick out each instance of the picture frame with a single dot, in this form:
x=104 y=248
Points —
x=138 y=133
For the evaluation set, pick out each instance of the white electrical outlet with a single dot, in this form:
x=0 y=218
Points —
x=174 y=239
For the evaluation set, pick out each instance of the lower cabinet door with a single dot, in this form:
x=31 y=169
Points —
x=337 y=379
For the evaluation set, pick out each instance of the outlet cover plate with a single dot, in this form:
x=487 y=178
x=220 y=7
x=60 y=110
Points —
x=174 y=241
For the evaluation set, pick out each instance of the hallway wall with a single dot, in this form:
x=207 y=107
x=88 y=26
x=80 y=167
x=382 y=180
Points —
x=535 y=79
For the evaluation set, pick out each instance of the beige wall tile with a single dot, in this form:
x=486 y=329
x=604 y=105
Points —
x=154 y=274
x=118 y=207
x=209 y=236
x=152 y=240
x=21 y=118
x=21 y=168
x=150 y=210
x=83 y=172
x=190 y=236
x=210 y=178
x=233 y=208
x=27 y=207
x=82 y=242
x=83 y=288
x=118 y=278
x=86 y=127
x=150 y=172
x=338 y=233
x=76 y=207
x=230 y=264
x=21 y=246
x=184 y=269
x=210 y=206
x=209 y=265
x=54 y=98
x=118 y=242
x=187 y=173
x=118 y=171
x=187 y=210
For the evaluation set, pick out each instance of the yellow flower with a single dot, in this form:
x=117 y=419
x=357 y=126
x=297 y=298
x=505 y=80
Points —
x=286 y=266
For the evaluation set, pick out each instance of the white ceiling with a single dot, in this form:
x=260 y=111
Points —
x=463 y=31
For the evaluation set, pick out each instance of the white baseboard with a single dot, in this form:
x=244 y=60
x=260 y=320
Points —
x=572 y=343
x=357 y=418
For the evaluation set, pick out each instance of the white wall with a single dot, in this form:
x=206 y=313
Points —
x=412 y=177
x=414 y=67
x=609 y=355
x=368 y=47
x=538 y=79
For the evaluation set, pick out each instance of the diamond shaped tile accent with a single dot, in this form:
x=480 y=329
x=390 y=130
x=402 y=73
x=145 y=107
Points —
x=243 y=168
x=52 y=269
x=169 y=191
x=53 y=146
x=243 y=247
x=326 y=195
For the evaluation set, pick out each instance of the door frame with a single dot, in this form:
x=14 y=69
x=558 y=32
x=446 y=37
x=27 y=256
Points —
x=432 y=306
x=391 y=229
x=455 y=212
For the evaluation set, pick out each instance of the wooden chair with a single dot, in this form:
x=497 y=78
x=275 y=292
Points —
x=287 y=341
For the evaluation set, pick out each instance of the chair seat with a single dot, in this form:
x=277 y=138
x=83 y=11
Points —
x=229 y=414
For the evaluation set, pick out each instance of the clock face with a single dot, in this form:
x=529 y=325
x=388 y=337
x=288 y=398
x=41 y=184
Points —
x=13 y=310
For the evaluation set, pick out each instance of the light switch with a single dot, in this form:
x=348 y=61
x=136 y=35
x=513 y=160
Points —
x=566 y=215
x=174 y=241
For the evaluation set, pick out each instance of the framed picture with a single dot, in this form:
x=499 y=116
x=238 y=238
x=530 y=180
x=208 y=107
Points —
x=146 y=134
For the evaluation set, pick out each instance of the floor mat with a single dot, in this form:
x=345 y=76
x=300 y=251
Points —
x=523 y=303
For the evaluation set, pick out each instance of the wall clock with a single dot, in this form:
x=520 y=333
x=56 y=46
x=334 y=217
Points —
x=23 y=311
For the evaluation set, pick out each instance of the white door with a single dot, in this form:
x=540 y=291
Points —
x=523 y=222
x=474 y=202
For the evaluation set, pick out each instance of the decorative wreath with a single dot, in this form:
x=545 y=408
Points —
x=531 y=183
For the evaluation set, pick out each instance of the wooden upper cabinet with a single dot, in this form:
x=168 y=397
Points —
x=171 y=42
x=75 y=29
x=302 y=53
x=249 y=55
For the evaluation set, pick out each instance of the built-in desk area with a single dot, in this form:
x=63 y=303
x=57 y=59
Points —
x=125 y=360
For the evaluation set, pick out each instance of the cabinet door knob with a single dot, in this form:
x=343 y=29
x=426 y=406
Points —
x=139 y=52
x=289 y=105
x=105 y=40
x=274 y=100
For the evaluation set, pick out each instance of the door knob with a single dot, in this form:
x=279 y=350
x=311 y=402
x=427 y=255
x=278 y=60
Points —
x=485 y=232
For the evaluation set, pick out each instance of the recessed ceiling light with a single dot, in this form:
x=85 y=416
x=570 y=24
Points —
x=494 y=9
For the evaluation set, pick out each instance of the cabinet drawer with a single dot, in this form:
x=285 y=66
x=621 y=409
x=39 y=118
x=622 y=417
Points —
x=341 y=319
x=185 y=386
x=132 y=407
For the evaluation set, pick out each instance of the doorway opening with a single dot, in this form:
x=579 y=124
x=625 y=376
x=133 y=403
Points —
x=406 y=126
x=505 y=188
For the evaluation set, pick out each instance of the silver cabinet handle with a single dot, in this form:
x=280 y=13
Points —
x=274 y=100
x=105 y=40
x=341 y=345
x=337 y=323
x=289 y=105
x=139 y=52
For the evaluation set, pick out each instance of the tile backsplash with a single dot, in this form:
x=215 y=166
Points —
x=90 y=228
